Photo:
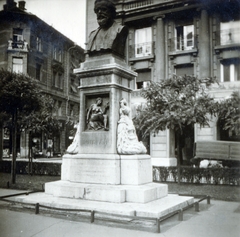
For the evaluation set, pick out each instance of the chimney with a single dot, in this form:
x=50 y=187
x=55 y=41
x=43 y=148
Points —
x=9 y=5
x=21 y=5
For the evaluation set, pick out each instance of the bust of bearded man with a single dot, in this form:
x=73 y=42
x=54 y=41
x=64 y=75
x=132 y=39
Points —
x=110 y=36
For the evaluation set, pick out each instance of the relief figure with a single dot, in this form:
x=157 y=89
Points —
x=97 y=117
x=127 y=140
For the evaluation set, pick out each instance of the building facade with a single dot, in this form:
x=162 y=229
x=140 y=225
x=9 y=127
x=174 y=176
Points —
x=28 y=45
x=183 y=37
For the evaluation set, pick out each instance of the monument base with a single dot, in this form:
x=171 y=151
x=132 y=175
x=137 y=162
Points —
x=155 y=209
x=107 y=193
x=107 y=169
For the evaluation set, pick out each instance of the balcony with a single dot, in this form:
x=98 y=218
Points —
x=17 y=45
x=137 y=4
x=183 y=46
x=183 y=43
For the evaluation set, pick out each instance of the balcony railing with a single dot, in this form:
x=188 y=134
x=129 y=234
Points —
x=141 y=50
x=22 y=45
x=183 y=43
x=137 y=4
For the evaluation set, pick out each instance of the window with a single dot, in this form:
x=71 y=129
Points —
x=143 y=79
x=17 y=65
x=17 y=35
x=143 y=42
x=57 y=80
x=184 y=69
x=38 y=71
x=54 y=112
x=55 y=53
x=73 y=86
x=60 y=55
x=57 y=110
x=17 y=38
x=226 y=135
x=71 y=110
x=39 y=44
x=184 y=37
x=230 y=32
x=230 y=70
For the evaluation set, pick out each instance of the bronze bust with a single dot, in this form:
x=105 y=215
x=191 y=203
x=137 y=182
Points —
x=110 y=36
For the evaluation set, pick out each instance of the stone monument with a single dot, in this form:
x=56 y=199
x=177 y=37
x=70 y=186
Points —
x=106 y=163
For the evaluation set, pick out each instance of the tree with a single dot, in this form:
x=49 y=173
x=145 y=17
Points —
x=40 y=121
x=19 y=95
x=176 y=103
x=229 y=114
x=3 y=117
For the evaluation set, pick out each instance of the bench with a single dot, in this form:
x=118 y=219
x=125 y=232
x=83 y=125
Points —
x=217 y=150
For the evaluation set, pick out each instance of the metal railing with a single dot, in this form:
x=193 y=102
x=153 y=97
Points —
x=105 y=216
x=141 y=50
x=183 y=43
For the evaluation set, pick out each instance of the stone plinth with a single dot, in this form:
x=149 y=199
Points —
x=136 y=169
x=107 y=193
x=91 y=168
x=107 y=169
x=156 y=209
x=107 y=178
x=109 y=78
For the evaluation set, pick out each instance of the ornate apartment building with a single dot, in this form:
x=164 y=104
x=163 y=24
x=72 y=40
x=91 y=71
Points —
x=29 y=45
x=193 y=37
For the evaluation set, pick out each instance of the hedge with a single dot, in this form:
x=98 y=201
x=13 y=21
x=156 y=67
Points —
x=228 y=176
x=38 y=168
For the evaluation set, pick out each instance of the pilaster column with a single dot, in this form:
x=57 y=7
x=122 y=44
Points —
x=204 y=45
x=160 y=49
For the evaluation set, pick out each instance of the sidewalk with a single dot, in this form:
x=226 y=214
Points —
x=219 y=219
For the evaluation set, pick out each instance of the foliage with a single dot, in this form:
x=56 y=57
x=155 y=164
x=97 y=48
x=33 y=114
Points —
x=38 y=168
x=19 y=95
x=212 y=175
x=164 y=173
x=35 y=110
x=18 y=92
x=42 y=120
x=175 y=103
x=229 y=114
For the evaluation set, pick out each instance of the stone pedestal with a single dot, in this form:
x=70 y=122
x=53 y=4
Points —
x=91 y=168
x=98 y=172
x=109 y=78
x=136 y=169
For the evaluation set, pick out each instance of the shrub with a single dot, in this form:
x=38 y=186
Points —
x=213 y=175
x=38 y=168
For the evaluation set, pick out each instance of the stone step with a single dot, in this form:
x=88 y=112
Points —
x=107 y=193
x=154 y=209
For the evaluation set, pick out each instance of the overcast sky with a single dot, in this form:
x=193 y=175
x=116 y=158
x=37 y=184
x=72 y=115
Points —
x=66 y=16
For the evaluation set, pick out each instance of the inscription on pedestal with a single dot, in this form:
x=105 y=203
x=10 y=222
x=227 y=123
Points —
x=104 y=142
x=92 y=170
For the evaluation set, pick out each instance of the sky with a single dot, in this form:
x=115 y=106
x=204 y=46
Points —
x=66 y=16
